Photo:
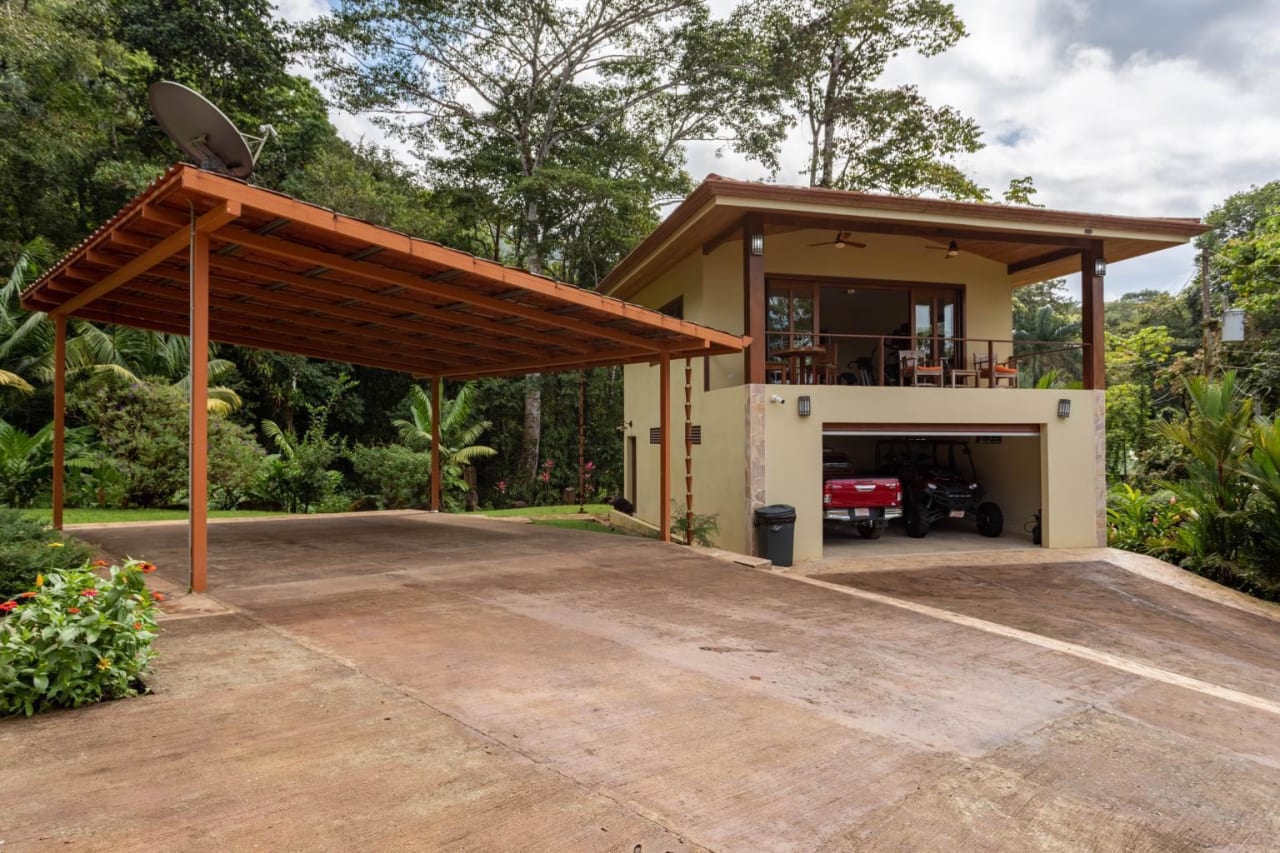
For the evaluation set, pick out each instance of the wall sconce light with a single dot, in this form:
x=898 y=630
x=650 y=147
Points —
x=1064 y=408
x=1100 y=267
x=757 y=244
x=804 y=406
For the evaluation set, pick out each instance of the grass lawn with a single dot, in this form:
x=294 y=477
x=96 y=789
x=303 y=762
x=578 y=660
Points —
x=108 y=516
x=588 y=524
x=535 y=511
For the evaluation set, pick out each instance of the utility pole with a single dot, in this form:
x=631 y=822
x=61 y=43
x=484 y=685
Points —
x=1207 y=313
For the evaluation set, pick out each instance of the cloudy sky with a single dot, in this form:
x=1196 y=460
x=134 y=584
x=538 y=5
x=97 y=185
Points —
x=1160 y=107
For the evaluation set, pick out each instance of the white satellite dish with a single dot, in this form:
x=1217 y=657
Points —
x=202 y=132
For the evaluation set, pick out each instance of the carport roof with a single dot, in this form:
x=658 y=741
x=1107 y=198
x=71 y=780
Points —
x=290 y=276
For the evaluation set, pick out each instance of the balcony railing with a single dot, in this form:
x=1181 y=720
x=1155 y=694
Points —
x=803 y=358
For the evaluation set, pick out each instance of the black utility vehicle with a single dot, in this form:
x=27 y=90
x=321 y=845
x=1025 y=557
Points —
x=933 y=485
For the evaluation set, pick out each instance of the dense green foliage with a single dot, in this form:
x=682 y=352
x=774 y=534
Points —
x=547 y=135
x=29 y=547
x=1220 y=515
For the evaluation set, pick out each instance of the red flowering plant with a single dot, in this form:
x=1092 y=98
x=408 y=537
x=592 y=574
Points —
x=77 y=638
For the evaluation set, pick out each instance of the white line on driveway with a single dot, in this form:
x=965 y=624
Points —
x=1124 y=664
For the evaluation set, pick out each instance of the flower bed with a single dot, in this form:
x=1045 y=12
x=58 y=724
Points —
x=77 y=638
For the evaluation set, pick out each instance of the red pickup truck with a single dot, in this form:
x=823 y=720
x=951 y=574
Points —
x=867 y=503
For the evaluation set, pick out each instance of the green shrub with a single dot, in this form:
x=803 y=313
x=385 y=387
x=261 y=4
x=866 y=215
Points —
x=29 y=547
x=701 y=531
x=142 y=459
x=1141 y=522
x=75 y=639
x=298 y=478
x=236 y=463
x=143 y=430
x=395 y=476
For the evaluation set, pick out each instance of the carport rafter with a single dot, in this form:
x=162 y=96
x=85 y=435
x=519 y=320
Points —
x=293 y=277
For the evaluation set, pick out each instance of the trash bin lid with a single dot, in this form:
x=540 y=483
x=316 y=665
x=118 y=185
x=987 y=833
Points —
x=776 y=513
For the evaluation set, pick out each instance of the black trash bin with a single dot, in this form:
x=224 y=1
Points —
x=776 y=533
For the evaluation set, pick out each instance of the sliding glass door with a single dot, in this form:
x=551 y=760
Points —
x=935 y=323
x=792 y=316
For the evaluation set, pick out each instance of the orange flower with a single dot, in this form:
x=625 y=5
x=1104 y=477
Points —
x=27 y=595
x=8 y=606
x=137 y=626
x=158 y=596
x=102 y=564
x=73 y=609
x=147 y=568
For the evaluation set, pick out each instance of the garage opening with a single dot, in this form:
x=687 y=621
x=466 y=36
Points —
x=963 y=487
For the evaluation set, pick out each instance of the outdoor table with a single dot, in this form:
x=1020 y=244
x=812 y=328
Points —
x=803 y=361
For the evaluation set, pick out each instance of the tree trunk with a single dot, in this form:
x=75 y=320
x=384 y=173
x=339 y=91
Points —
x=828 y=116
x=531 y=437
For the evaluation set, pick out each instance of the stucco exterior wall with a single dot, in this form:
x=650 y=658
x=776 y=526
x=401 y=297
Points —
x=720 y=462
x=755 y=451
x=1065 y=455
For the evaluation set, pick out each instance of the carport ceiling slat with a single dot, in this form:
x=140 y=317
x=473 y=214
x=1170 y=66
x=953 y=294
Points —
x=308 y=280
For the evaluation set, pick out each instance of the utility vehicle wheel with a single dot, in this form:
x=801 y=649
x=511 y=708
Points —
x=990 y=519
x=916 y=522
x=870 y=531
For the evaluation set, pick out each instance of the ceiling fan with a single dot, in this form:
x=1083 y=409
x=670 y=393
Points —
x=841 y=240
x=952 y=249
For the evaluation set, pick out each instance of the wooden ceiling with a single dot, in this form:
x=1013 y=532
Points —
x=1033 y=244
x=293 y=277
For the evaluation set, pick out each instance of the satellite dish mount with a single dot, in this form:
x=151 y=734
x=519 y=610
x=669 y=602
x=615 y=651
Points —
x=203 y=132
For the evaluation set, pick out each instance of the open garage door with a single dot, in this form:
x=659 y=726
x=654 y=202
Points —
x=1004 y=460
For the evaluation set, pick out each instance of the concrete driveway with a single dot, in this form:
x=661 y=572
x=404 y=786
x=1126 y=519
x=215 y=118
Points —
x=409 y=682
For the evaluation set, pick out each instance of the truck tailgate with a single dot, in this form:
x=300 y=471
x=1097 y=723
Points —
x=862 y=492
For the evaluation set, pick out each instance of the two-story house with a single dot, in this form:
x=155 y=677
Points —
x=872 y=318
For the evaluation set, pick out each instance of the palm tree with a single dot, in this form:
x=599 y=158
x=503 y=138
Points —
x=458 y=434
x=1036 y=335
x=26 y=345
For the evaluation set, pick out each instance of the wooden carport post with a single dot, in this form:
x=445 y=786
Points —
x=59 y=413
x=436 y=474
x=198 y=474
x=664 y=446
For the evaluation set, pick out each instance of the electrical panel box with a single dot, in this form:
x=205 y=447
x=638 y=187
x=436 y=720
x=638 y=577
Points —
x=1233 y=324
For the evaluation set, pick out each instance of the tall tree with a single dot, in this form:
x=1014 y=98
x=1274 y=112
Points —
x=826 y=60
x=522 y=81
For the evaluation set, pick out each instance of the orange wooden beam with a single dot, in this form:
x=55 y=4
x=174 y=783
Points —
x=59 y=414
x=457 y=344
x=162 y=251
x=284 y=207
x=465 y=295
x=417 y=338
x=198 y=461
x=431 y=313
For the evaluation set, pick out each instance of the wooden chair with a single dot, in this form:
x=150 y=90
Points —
x=777 y=373
x=915 y=367
x=1004 y=371
x=827 y=370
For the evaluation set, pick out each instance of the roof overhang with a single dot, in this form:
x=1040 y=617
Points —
x=1032 y=243
x=290 y=276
